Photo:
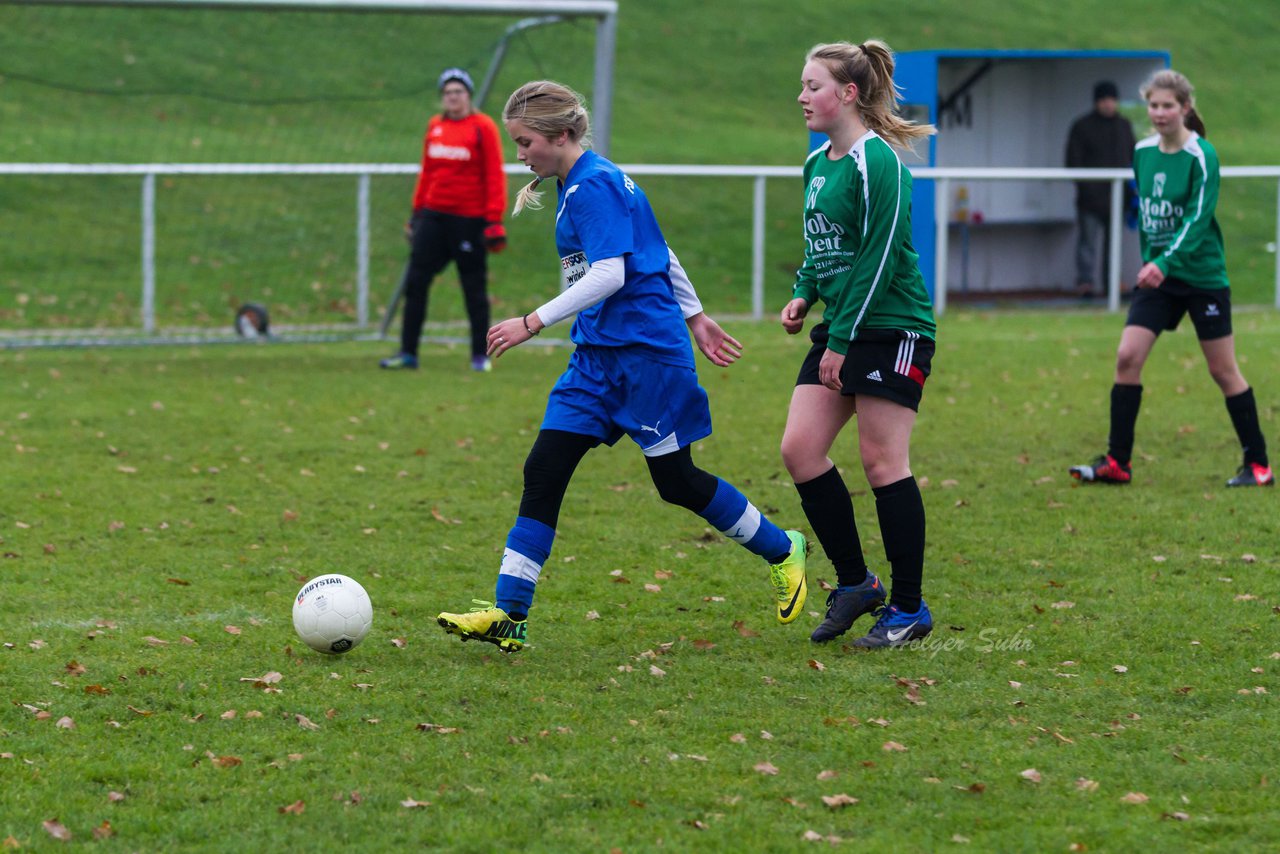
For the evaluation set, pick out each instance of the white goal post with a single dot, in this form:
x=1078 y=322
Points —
x=605 y=12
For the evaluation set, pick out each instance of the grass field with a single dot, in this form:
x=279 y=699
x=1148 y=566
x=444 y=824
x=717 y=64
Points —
x=1102 y=673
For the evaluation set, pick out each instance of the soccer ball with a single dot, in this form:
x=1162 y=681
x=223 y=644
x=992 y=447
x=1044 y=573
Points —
x=332 y=613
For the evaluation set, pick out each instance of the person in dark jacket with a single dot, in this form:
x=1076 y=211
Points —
x=1101 y=139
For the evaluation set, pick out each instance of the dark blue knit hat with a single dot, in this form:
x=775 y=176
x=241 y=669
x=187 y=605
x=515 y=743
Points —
x=451 y=74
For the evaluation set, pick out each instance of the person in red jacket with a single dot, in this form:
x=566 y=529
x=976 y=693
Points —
x=458 y=206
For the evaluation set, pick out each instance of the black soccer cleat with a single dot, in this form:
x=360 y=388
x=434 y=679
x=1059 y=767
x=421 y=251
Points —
x=1253 y=474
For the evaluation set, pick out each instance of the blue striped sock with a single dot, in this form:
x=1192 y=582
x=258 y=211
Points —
x=528 y=547
x=733 y=515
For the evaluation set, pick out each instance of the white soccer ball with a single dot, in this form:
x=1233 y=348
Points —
x=332 y=613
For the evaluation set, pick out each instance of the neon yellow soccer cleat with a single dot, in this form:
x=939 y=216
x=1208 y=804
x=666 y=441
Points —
x=489 y=624
x=788 y=579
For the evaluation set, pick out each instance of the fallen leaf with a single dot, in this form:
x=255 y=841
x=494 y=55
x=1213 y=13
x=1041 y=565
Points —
x=295 y=808
x=115 y=797
x=742 y=629
x=305 y=723
x=1063 y=605
x=817 y=665
x=154 y=641
x=892 y=747
x=828 y=775
x=227 y=761
x=738 y=738
x=837 y=801
x=1086 y=785
x=766 y=768
x=410 y=803
x=1120 y=668
x=55 y=828
x=1031 y=774
x=435 y=514
x=655 y=670
x=593 y=615
x=653 y=588
x=1176 y=816
x=442 y=730
x=1134 y=798
x=65 y=723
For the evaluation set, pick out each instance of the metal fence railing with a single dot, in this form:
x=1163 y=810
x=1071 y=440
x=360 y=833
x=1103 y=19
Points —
x=148 y=173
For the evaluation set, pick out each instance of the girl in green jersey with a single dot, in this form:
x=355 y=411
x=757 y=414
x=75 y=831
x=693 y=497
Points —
x=872 y=351
x=1185 y=272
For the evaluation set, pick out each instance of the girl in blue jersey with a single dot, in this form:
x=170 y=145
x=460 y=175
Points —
x=874 y=347
x=631 y=374
x=1185 y=273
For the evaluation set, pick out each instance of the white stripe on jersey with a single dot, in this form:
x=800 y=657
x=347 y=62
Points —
x=516 y=564
x=1193 y=148
x=893 y=229
x=906 y=353
x=567 y=193
x=746 y=527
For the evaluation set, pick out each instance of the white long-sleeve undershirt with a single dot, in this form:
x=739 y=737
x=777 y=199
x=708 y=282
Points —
x=605 y=278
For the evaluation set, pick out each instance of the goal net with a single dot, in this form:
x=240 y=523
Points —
x=99 y=84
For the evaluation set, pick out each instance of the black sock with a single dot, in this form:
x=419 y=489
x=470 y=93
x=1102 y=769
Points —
x=901 y=512
x=1125 y=401
x=826 y=504
x=1243 y=410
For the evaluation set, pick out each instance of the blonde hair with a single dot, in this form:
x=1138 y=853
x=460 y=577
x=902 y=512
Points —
x=548 y=109
x=1182 y=90
x=869 y=66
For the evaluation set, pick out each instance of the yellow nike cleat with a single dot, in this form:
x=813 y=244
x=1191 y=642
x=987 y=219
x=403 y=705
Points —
x=788 y=579
x=486 y=623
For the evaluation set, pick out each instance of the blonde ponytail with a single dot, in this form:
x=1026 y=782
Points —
x=869 y=66
x=528 y=197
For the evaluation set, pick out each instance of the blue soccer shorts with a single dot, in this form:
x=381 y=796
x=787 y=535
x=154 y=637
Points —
x=609 y=392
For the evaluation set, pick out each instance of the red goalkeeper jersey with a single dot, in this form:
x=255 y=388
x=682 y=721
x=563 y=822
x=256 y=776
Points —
x=462 y=169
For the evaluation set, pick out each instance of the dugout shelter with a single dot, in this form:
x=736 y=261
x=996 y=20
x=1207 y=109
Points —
x=1008 y=109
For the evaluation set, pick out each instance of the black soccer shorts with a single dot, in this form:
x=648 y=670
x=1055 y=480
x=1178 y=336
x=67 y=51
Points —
x=1162 y=308
x=888 y=363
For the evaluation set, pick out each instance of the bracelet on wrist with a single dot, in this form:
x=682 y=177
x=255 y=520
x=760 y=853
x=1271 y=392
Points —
x=526 y=326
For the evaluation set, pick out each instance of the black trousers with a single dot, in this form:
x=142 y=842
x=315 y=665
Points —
x=437 y=239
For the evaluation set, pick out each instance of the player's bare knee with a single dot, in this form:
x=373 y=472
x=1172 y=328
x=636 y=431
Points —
x=1228 y=377
x=798 y=458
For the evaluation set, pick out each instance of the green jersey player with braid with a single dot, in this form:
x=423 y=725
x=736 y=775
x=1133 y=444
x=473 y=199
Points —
x=872 y=351
x=1185 y=273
